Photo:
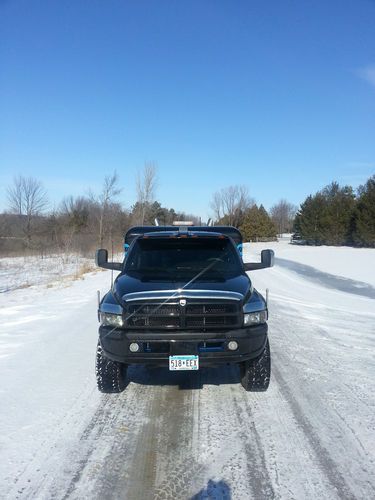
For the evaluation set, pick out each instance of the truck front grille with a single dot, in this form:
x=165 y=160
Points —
x=154 y=309
x=215 y=321
x=193 y=315
x=153 y=322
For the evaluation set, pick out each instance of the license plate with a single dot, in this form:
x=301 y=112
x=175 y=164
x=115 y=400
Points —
x=184 y=362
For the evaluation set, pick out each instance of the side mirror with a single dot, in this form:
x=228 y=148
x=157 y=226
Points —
x=101 y=260
x=267 y=260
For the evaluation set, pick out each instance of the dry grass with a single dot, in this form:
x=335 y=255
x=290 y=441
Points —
x=84 y=269
x=78 y=275
x=24 y=285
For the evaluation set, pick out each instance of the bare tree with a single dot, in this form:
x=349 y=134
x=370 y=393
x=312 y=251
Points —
x=145 y=185
x=283 y=214
x=28 y=198
x=110 y=191
x=15 y=196
x=72 y=219
x=230 y=203
x=217 y=206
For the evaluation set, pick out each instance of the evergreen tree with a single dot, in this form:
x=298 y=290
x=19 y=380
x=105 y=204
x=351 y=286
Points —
x=337 y=215
x=308 y=222
x=364 y=216
x=325 y=218
x=257 y=224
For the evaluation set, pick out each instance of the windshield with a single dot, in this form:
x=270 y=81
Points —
x=183 y=259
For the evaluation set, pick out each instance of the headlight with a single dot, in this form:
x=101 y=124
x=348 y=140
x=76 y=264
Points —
x=107 y=319
x=255 y=318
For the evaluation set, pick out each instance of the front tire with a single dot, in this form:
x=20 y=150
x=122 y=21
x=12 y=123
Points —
x=110 y=375
x=256 y=373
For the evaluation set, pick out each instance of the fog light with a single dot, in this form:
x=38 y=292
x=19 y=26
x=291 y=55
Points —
x=134 y=347
x=232 y=345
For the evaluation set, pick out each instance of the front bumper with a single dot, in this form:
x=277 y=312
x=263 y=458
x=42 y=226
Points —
x=156 y=347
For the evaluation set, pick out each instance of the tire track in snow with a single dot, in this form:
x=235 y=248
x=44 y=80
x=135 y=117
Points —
x=37 y=477
x=227 y=440
x=82 y=468
x=117 y=473
x=150 y=461
x=103 y=417
x=167 y=437
x=323 y=403
x=327 y=464
x=104 y=469
x=253 y=447
x=177 y=469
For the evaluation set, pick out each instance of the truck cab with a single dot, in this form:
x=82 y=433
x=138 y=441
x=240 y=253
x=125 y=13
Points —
x=183 y=300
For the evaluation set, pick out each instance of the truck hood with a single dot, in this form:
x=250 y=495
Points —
x=127 y=287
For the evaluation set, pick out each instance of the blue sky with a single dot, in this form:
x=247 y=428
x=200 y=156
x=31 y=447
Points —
x=276 y=95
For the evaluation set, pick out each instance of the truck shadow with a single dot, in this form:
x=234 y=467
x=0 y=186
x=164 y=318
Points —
x=329 y=280
x=215 y=490
x=185 y=380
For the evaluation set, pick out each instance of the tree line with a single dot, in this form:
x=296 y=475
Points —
x=81 y=223
x=334 y=215
x=337 y=215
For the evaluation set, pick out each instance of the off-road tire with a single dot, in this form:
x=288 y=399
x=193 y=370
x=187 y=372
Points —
x=110 y=375
x=256 y=373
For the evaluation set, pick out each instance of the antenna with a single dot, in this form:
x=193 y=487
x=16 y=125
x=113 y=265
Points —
x=98 y=295
x=112 y=261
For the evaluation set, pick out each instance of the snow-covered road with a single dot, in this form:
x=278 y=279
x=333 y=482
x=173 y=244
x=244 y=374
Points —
x=192 y=435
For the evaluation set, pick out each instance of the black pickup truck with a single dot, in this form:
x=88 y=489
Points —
x=183 y=300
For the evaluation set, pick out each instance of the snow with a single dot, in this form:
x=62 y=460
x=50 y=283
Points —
x=353 y=263
x=22 y=272
x=176 y=435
